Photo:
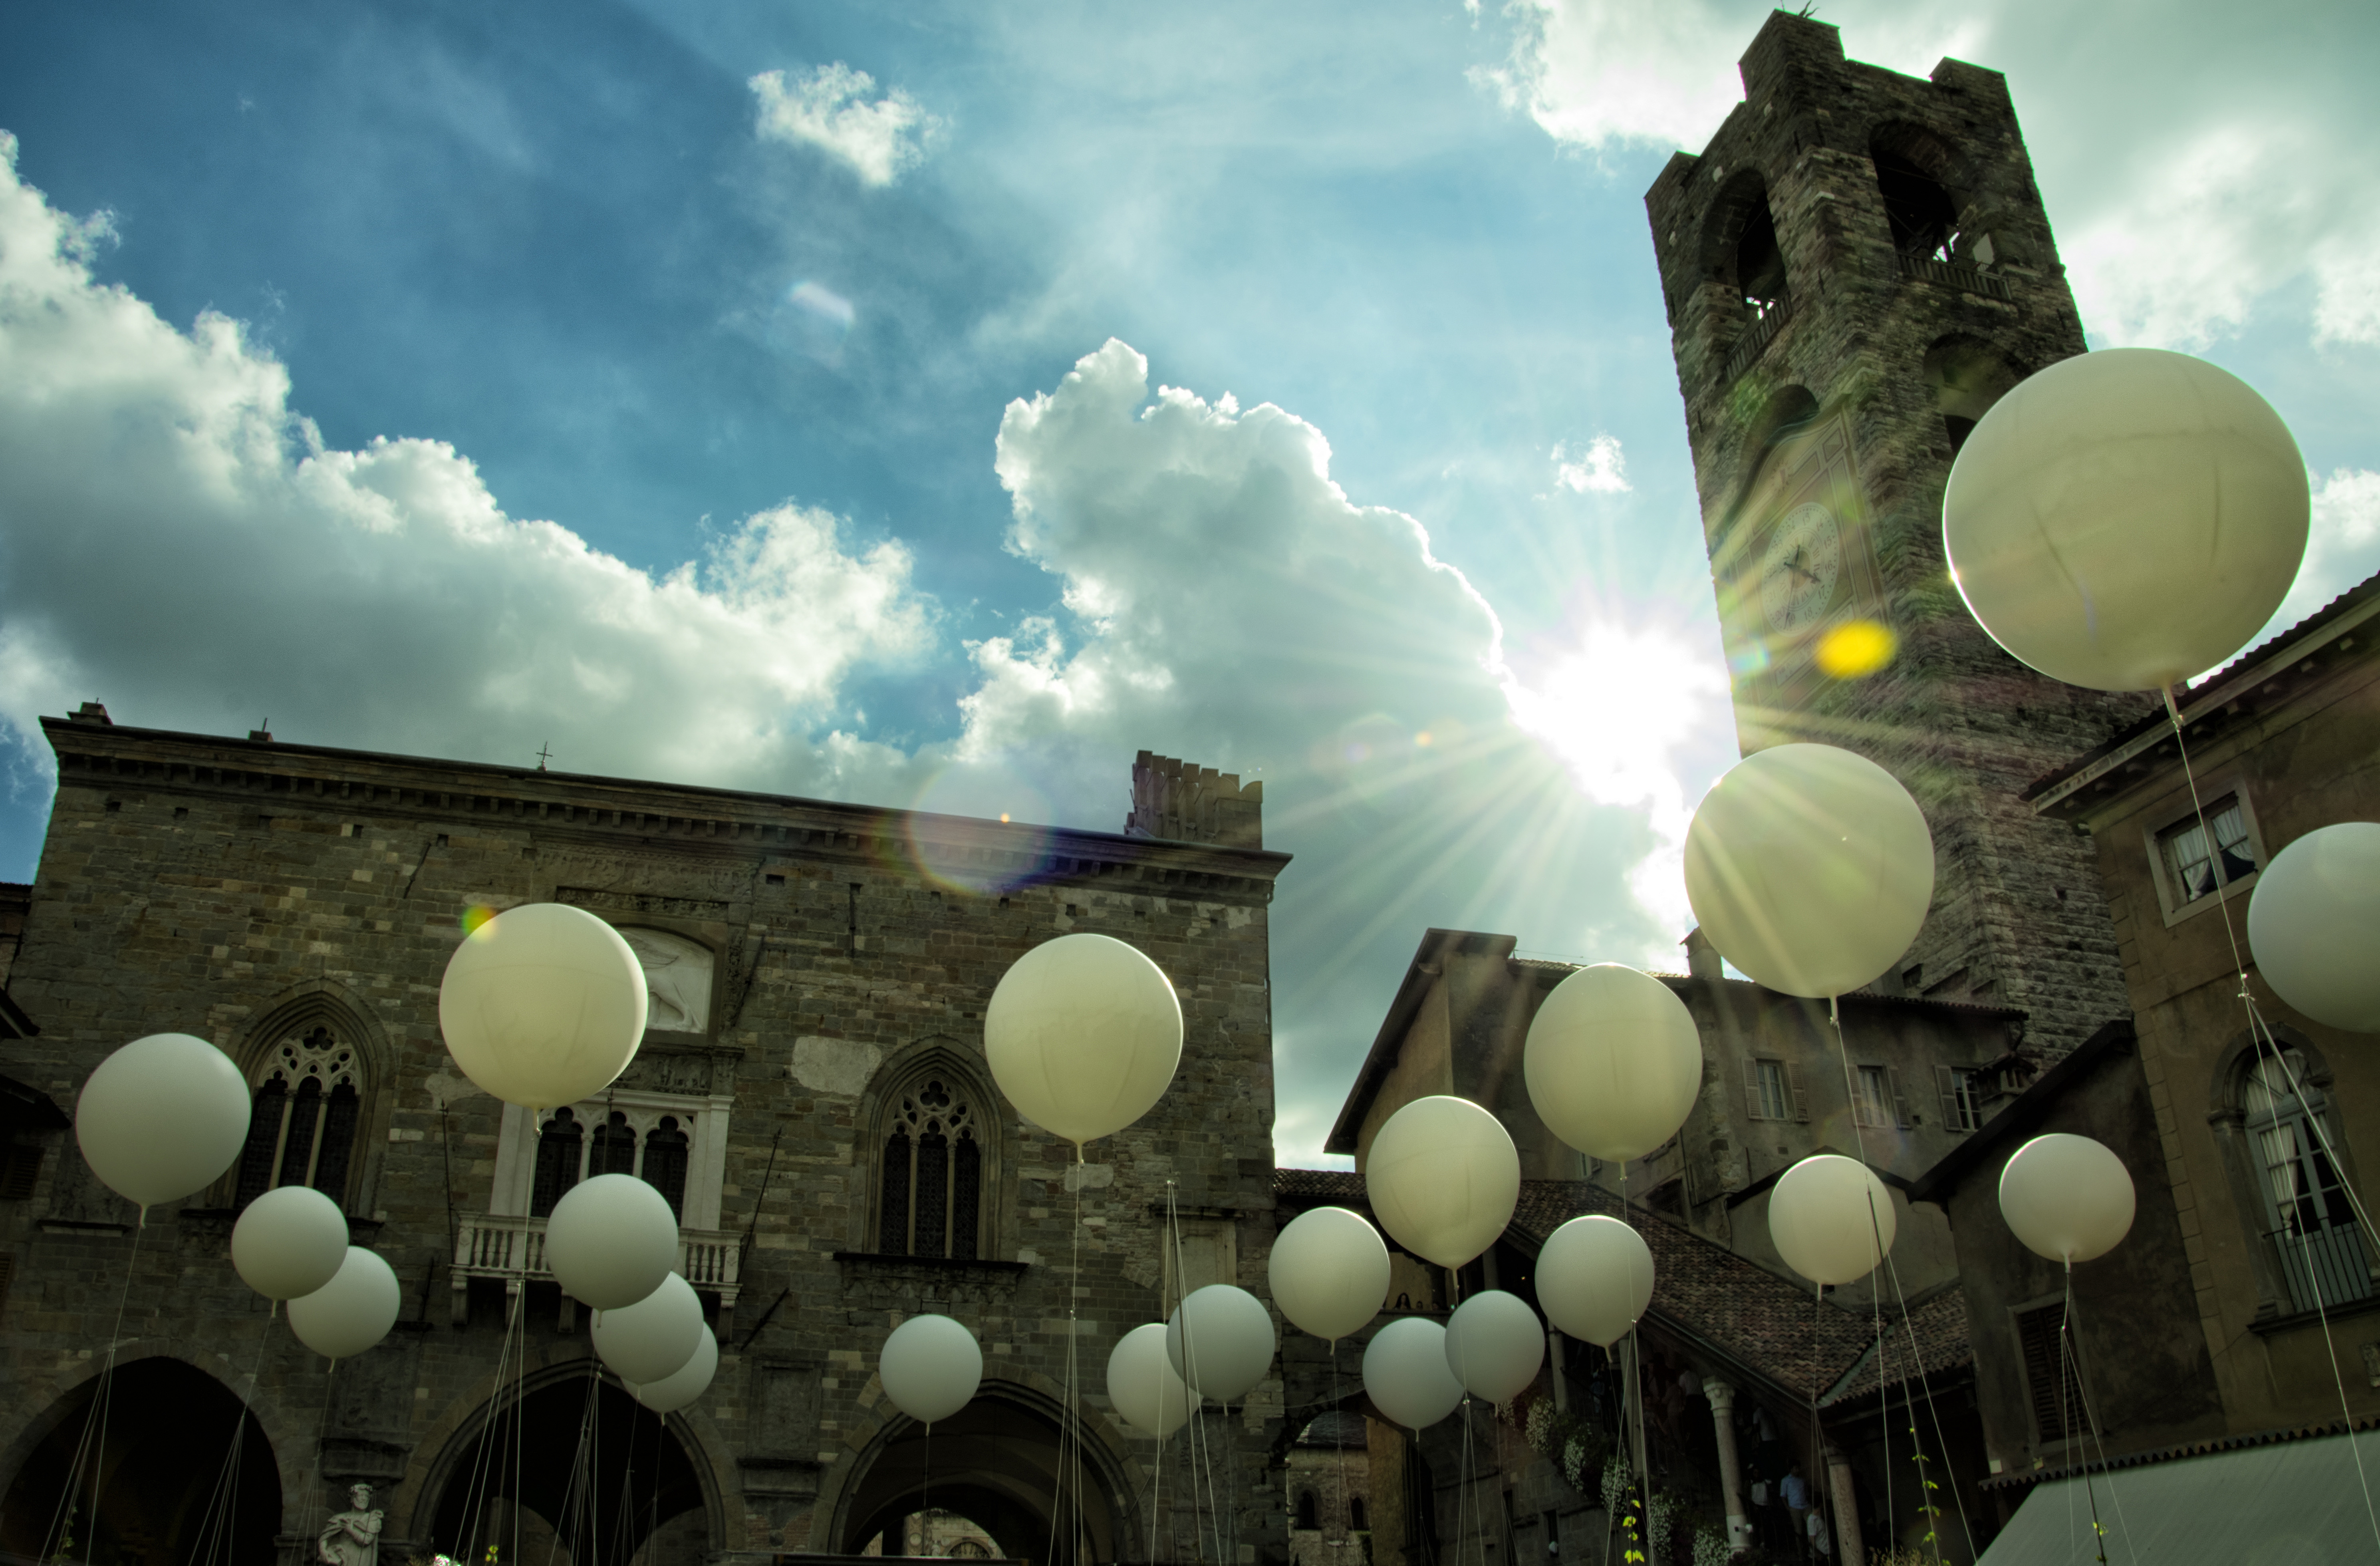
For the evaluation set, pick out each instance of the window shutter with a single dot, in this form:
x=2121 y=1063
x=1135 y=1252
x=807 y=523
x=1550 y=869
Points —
x=2056 y=1396
x=1794 y=1090
x=1751 y=1106
x=1899 y=1100
x=1945 y=1081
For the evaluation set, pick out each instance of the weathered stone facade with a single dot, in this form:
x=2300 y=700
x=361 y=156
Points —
x=250 y=892
x=1828 y=379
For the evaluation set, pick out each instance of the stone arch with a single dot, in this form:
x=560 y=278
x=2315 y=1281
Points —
x=962 y=1069
x=991 y=1463
x=162 y=1475
x=1966 y=375
x=1740 y=247
x=668 y=1452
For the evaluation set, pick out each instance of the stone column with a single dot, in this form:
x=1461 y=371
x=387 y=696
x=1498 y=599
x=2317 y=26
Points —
x=1731 y=1467
x=1848 y=1545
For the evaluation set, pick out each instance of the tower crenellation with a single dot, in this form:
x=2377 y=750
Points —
x=1856 y=267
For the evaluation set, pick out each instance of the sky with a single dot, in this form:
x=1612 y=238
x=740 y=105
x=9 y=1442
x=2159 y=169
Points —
x=935 y=404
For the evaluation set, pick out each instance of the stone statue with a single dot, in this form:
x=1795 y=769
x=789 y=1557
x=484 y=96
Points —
x=352 y=1537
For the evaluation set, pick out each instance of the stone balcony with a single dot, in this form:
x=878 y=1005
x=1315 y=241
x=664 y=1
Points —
x=511 y=1250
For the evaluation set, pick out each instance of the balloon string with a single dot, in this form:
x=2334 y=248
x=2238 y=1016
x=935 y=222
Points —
x=321 y=1428
x=215 y=1527
x=2070 y=1362
x=579 y=1492
x=102 y=1394
x=2090 y=1421
x=1874 y=1293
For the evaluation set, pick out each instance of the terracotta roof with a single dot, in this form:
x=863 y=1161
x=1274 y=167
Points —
x=1705 y=1293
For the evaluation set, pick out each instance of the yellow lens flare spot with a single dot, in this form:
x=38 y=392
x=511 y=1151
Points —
x=1856 y=648
x=476 y=916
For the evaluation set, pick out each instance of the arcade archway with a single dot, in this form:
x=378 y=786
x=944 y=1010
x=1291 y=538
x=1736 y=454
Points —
x=159 y=1474
x=575 y=1462
x=996 y=1463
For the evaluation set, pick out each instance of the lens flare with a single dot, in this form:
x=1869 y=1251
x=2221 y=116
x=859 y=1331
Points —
x=476 y=916
x=1855 y=649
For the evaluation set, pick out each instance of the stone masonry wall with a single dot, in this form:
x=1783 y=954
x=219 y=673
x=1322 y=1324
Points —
x=2018 y=917
x=204 y=885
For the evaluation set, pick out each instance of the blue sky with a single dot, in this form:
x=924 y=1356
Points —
x=640 y=379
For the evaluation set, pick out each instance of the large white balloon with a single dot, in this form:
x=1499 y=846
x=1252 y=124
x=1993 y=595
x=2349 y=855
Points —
x=350 y=1313
x=1083 y=1033
x=162 y=1117
x=692 y=1379
x=1810 y=868
x=1831 y=1218
x=651 y=1340
x=543 y=1004
x=1406 y=1374
x=2067 y=1197
x=1444 y=1177
x=1220 y=1341
x=2126 y=519
x=930 y=1368
x=1613 y=1061
x=1594 y=1277
x=1147 y=1393
x=1330 y=1272
x=2313 y=923
x=291 y=1241
x=1494 y=1345
x=610 y=1241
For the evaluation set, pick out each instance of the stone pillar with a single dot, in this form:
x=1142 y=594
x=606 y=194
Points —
x=1731 y=1467
x=1848 y=1545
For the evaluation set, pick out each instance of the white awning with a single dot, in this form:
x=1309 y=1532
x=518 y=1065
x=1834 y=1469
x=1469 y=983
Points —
x=2300 y=1502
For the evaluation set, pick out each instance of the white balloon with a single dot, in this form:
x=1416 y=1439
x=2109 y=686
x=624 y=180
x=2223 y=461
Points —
x=1494 y=1345
x=2313 y=923
x=610 y=1241
x=651 y=1340
x=350 y=1313
x=1594 y=1277
x=1613 y=1061
x=162 y=1117
x=692 y=1379
x=291 y=1241
x=1444 y=1177
x=1810 y=868
x=1147 y=1393
x=1405 y=1372
x=543 y=1004
x=1083 y=1033
x=2126 y=519
x=2067 y=1197
x=1828 y=1215
x=930 y=1368
x=1330 y=1272
x=1220 y=1341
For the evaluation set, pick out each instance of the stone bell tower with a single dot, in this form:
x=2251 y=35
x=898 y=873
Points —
x=1854 y=269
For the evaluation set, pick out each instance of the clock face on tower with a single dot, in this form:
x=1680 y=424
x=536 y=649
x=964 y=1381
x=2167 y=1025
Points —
x=1801 y=568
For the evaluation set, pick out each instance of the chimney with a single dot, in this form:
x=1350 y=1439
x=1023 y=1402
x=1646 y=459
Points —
x=1183 y=802
x=91 y=712
x=1702 y=957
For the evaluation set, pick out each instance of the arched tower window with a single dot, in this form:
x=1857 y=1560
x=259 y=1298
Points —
x=2306 y=1212
x=929 y=1194
x=1759 y=264
x=1922 y=216
x=664 y=1171
x=301 y=1128
x=1967 y=377
x=560 y=1147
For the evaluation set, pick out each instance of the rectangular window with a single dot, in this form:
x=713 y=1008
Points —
x=1771 y=1091
x=2198 y=869
x=2049 y=1373
x=1876 y=1098
x=1962 y=1097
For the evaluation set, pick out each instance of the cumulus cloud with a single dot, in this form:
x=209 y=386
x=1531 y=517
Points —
x=175 y=538
x=1599 y=469
x=2176 y=228
x=830 y=108
x=2342 y=543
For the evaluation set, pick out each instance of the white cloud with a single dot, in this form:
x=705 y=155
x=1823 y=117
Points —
x=175 y=540
x=1599 y=469
x=829 y=108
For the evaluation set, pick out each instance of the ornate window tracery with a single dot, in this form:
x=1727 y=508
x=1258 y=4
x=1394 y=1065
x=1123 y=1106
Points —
x=301 y=1127
x=930 y=1191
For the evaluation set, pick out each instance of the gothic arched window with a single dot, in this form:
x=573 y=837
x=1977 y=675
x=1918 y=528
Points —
x=301 y=1128
x=614 y=1149
x=929 y=1197
x=559 y=1147
x=664 y=1171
